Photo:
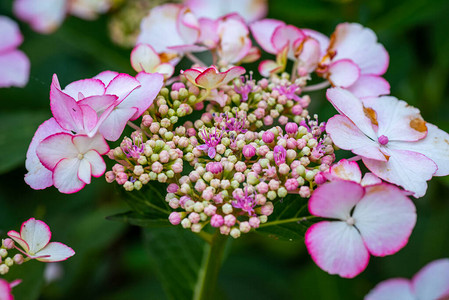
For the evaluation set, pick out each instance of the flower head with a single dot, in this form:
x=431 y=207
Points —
x=245 y=201
x=279 y=154
x=211 y=139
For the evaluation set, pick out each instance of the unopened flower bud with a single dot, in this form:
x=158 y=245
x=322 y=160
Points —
x=18 y=259
x=245 y=227
x=8 y=243
x=229 y=220
x=226 y=208
x=9 y=262
x=216 y=221
x=268 y=137
x=248 y=151
x=185 y=223
x=235 y=233
x=304 y=191
x=225 y=230
x=4 y=269
x=254 y=222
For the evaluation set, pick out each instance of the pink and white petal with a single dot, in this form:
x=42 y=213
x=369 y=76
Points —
x=36 y=234
x=335 y=199
x=14 y=69
x=188 y=26
x=370 y=179
x=84 y=171
x=343 y=73
x=113 y=126
x=39 y=177
x=106 y=76
x=181 y=49
x=121 y=86
x=144 y=58
x=165 y=69
x=100 y=103
x=407 y=169
x=369 y=86
x=318 y=36
x=43 y=16
x=87 y=87
x=392 y=289
x=18 y=239
x=346 y=135
x=143 y=96
x=191 y=75
x=10 y=33
x=208 y=34
x=233 y=73
x=286 y=36
x=267 y=67
x=90 y=120
x=310 y=55
x=355 y=42
x=5 y=290
x=84 y=144
x=347 y=170
x=432 y=281
x=234 y=41
x=55 y=252
x=385 y=218
x=252 y=55
x=210 y=79
x=337 y=248
x=55 y=148
x=350 y=106
x=97 y=163
x=263 y=31
x=397 y=120
x=434 y=146
x=65 y=176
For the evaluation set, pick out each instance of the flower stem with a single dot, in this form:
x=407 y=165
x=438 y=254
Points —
x=316 y=87
x=195 y=59
x=210 y=268
x=299 y=219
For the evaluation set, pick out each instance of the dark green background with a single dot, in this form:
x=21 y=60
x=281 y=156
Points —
x=112 y=260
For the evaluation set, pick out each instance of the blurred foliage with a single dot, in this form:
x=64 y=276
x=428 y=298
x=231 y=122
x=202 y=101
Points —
x=119 y=261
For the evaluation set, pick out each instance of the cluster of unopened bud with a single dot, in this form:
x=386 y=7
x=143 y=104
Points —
x=7 y=262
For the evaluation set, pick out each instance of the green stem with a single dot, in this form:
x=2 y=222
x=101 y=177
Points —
x=208 y=275
x=278 y=222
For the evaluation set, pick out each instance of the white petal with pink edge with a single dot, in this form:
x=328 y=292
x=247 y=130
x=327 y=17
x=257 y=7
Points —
x=84 y=171
x=121 y=86
x=19 y=240
x=87 y=87
x=392 y=289
x=84 y=144
x=346 y=170
x=43 y=16
x=309 y=57
x=321 y=38
x=287 y=36
x=55 y=148
x=369 y=86
x=65 y=176
x=263 y=30
x=106 y=76
x=234 y=41
x=432 y=281
x=36 y=234
x=210 y=79
x=113 y=126
x=10 y=33
x=343 y=73
x=337 y=248
x=267 y=67
x=385 y=218
x=55 y=252
x=405 y=168
x=97 y=164
x=14 y=69
x=434 y=146
x=370 y=179
x=397 y=120
x=144 y=58
x=335 y=199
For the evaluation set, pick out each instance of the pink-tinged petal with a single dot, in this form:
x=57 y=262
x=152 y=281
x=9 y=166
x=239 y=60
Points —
x=337 y=248
x=87 y=87
x=55 y=148
x=263 y=31
x=392 y=289
x=432 y=281
x=106 y=77
x=385 y=218
x=370 y=179
x=100 y=104
x=309 y=56
x=10 y=33
x=405 y=168
x=18 y=239
x=348 y=136
x=233 y=73
x=97 y=163
x=165 y=69
x=191 y=75
x=100 y=109
x=208 y=35
x=267 y=67
x=355 y=42
x=121 y=86
x=234 y=42
x=84 y=144
x=143 y=96
x=350 y=106
x=434 y=146
x=335 y=199
x=343 y=73
x=369 y=86
x=90 y=119
x=144 y=58
x=84 y=171
x=87 y=9
x=113 y=126
x=39 y=177
x=65 y=176
x=318 y=36
x=14 y=69
x=286 y=36
x=55 y=252
x=181 y=49
x=347 y=170
x=5 y=290
x=36 y=234
x=397 y=120
x=188 y=26
x=253 y=55
x=210 y=78
x=44 y=16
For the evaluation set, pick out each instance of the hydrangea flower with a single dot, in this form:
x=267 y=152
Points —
x=349 y=170
x=145 y=58
x=34 y=238
x=431 y=282
x=211 y=78
x=376 y=220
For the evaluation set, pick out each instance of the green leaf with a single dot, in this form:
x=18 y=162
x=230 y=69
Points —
x=286 y=222
x=147 y=200
x=142 y=220
x=176 y=255
x=16 y=132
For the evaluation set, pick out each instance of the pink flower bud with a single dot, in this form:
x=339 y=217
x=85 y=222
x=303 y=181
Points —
x=260 y=199
x=191 y=132
x=121 y=178
x=225 y=230
x=214 y=167
x=291 y=128
x=263 y=150
x=301 y=143
x=157 y=167
x=18 y=259
x=163 y=109
x=248 y=151
x=291 y=184
x=254 y=222
x=175 y=218
x=210 y=210
x=208 y=194
x=147 y=120
x=194 y=217
x=172 y=188
x=194 y=176
x=200 y=186
x=273 y=184
x=229 y=220
x=183 y=200
x=245 y=227
x=283 y=120
x=320 y=178
x=262 y=188
x=164 y=157
x=110 y=176
x=173 y=203
x=267 y=209
x=257 y=168
x=154 y=127
x=199 y=106
x=284 y=169
x=177 y=168
x=177 y=86
x=268 y=137
x=8 y=243
x=305 y=101
x=194 y=90
x=216 y=221
x=259 y=113
x=297 y=110
x=218 y=199
x=268 y=120
x=118 y=168
x=304 y=191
